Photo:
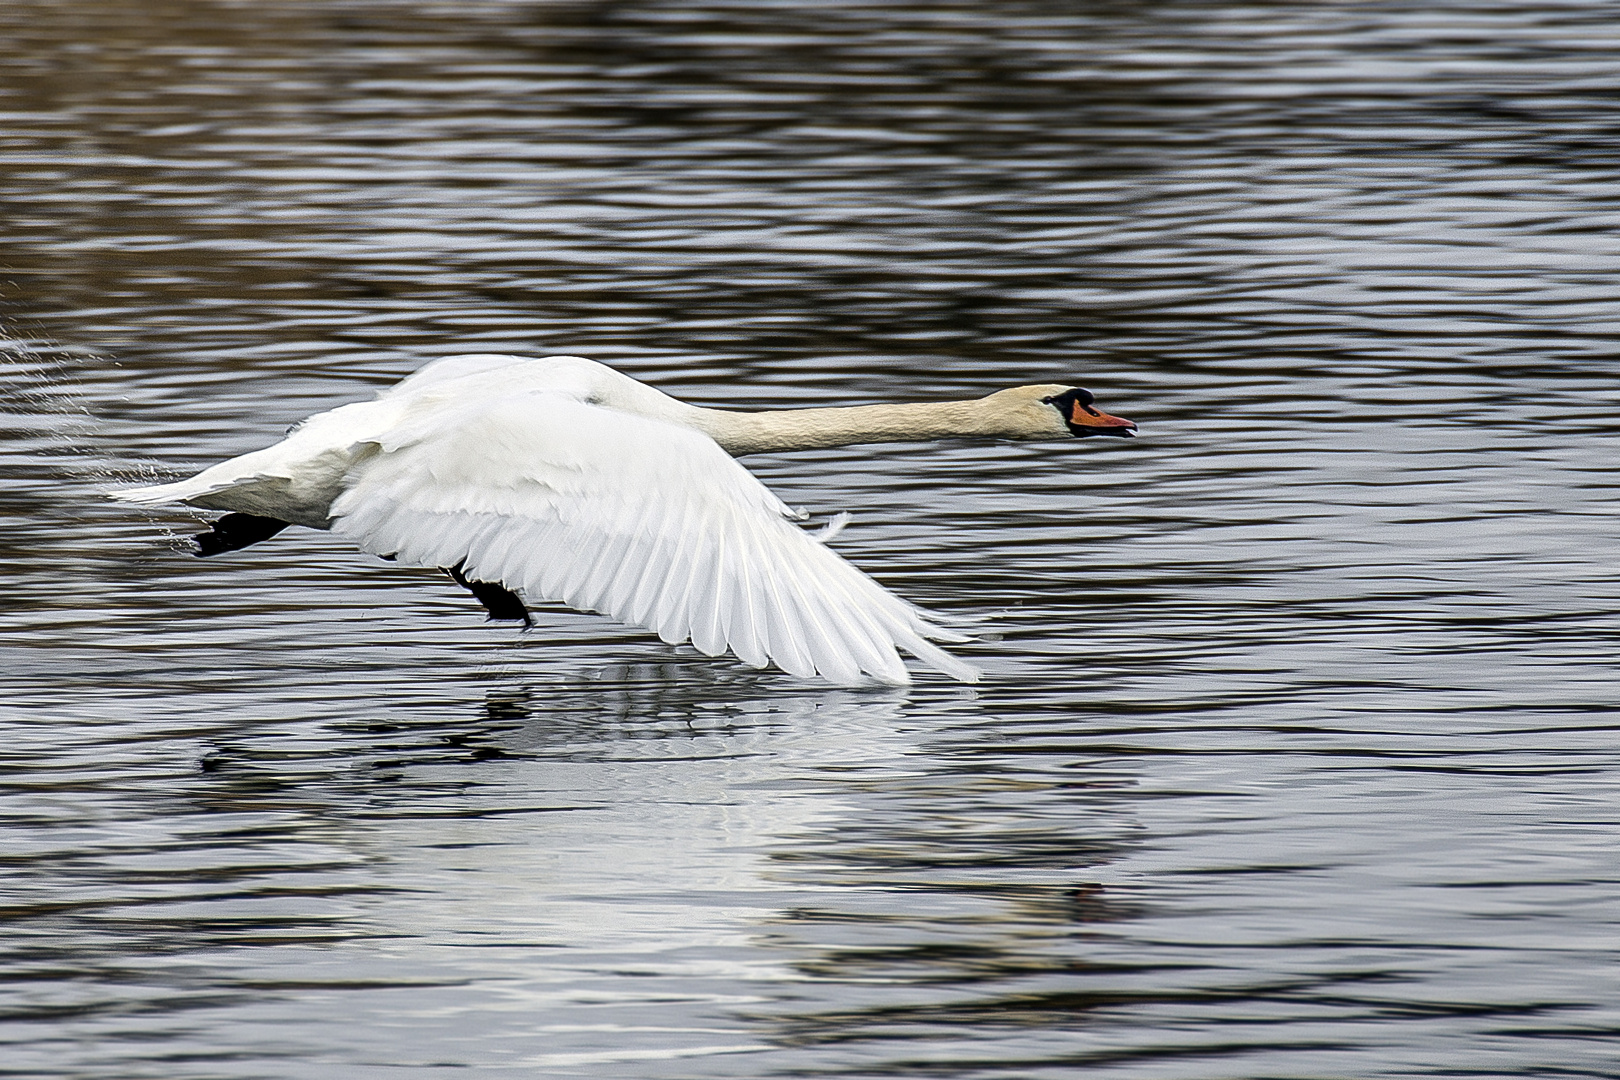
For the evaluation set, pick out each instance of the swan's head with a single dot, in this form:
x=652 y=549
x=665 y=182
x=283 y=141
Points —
x=1055 y=412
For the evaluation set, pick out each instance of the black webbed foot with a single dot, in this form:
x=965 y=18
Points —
x=236 y=531
x=499 y=602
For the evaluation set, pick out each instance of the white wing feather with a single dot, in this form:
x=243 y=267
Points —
x=639 y=518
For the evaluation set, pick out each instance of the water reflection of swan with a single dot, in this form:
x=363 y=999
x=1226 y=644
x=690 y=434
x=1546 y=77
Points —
x=562 y=479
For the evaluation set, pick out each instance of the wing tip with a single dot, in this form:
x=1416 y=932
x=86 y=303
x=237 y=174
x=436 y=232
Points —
x=937 y=658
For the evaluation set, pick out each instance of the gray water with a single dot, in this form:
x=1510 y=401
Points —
x=1296 y=756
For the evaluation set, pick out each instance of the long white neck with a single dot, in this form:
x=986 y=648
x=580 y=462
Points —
x=810 y=429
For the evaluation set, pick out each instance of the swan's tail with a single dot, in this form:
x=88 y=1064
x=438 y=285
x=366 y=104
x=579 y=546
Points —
x=162 y=494
x=255 y=483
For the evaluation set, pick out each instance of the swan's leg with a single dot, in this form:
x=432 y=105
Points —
x=236 y=531
x=500 y=603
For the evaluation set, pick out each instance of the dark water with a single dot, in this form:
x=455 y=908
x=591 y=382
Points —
x=1298 y=752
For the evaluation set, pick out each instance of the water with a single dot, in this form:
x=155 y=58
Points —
x=1297 y=752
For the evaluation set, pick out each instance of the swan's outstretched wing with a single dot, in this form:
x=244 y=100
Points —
x=647 y=521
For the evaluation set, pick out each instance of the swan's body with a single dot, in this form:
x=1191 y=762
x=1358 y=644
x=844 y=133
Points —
x=564 y=480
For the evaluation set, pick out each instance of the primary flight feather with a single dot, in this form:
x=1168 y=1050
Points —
x=560 y=479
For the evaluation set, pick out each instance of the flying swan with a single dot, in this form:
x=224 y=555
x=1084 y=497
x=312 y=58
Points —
x=560 y=479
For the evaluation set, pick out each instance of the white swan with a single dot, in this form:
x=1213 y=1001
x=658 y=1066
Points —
x=564 y=480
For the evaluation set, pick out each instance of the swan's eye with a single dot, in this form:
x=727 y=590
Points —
x=1071 y=401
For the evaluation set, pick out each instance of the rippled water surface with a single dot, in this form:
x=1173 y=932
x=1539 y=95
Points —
x=1297 y=752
